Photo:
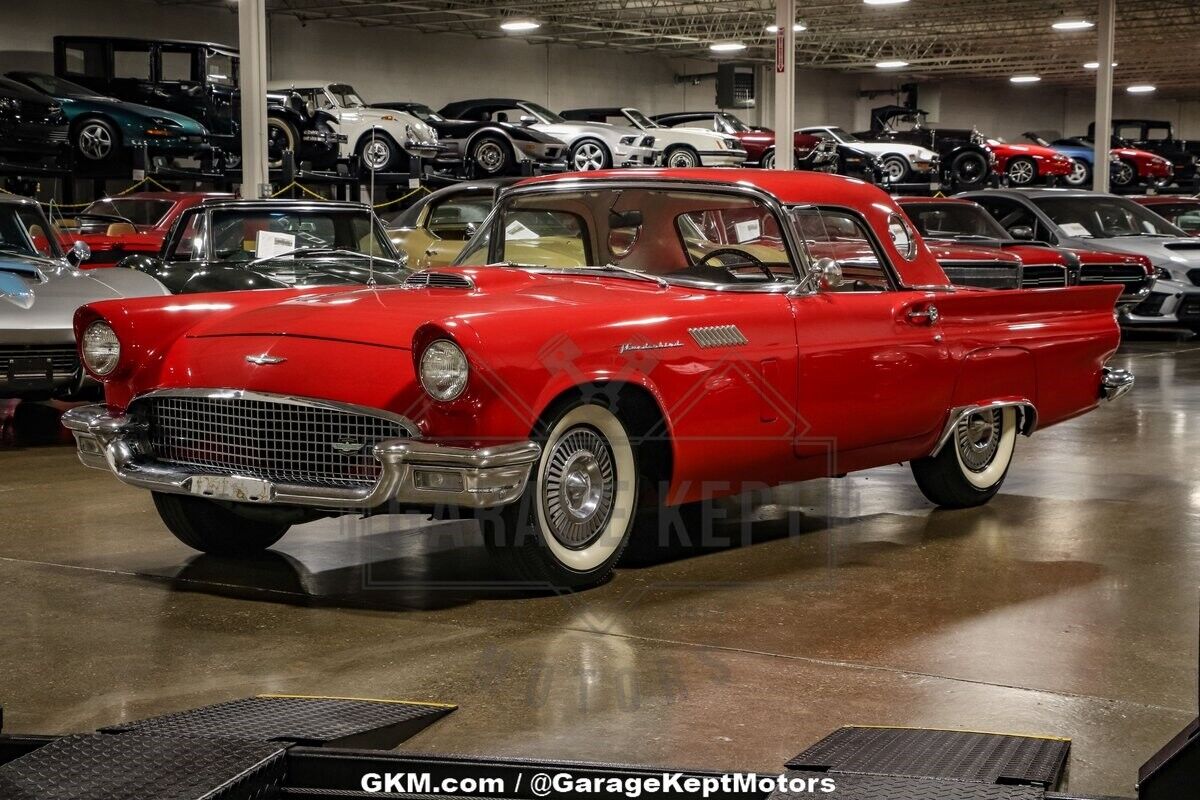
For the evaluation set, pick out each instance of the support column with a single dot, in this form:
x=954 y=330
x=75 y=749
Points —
x=252 y=44
x=785 y=83
x=1106 y=24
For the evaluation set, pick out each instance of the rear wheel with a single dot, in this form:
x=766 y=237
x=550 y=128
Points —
x=211 y=527
x=1021 y=172
x=1081 y=174
x=574 y=520
x=768 y=159
x=490 y=155
x=973 y=463
x=97 y=141
x=281 y=136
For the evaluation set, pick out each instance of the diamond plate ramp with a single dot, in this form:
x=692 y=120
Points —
x=315 y=721
x=145 y=767
x=886 y=787
x=953 y=755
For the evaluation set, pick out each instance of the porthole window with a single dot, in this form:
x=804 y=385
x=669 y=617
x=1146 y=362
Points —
x=903 y=237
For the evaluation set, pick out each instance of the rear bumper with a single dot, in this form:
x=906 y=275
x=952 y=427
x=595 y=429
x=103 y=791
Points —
x=413 y=472
x=1115 y=382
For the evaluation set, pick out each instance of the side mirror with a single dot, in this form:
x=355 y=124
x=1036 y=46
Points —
x=79 y=253
x=527 y=120
x=472 y=229
x=827 y=272
x=1022 y=232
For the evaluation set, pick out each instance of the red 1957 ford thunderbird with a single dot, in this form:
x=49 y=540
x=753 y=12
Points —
x=606 y=344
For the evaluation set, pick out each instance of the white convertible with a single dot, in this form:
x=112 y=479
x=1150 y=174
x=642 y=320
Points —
x=902 y=163
x=681 y=147
x=377 y=136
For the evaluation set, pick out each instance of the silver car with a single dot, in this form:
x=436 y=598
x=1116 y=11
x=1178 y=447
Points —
x=40 y=289
x=1099 y=221
x=590 y=145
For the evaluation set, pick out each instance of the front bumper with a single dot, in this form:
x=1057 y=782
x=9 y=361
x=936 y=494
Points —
x=414 y=473
x=626 y=156
x=1168 y=304
x=722 y=158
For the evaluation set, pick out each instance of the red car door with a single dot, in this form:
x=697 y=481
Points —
x=873 y=365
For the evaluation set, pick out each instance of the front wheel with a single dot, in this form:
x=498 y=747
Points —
x=895 y=168
x=768 y=160
x=590 y=154
x=681 y=157
x=1022 y=172
x=281 y=136
x=377 y=153
x=973 y=463
x=1124 y=175
x=969 y=170
x=97 y=141
x=490 y=156
x=1081 y=174
x=573 y=522
x=211 y=527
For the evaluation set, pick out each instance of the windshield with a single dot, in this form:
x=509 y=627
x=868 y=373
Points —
x=848 y=138
x=25 y=232
x=424 y=112
x=1104 y=217
x=712 y=237
x=58 y=87
x=544 y=115
x=1185 y=215
x=953 y=220
x=242 y=235
x=735 y=125
x=221 y=68
x=141 y=212
x=640 y=119
x=345 y=96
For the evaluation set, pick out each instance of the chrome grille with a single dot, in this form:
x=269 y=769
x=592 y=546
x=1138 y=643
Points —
x=1133 y=278
x=1040 y=276
x=25 y=362
x=438 y=280
x=275 y=440
x=984 y=275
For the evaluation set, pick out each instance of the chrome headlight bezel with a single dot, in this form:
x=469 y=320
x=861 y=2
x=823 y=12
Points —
x=100 y=349
x=443 y=370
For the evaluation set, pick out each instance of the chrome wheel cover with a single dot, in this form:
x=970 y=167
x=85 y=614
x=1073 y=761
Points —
x=376 y=154
x=768 y=160
x=490 y=157
x=95 y=141
x=895 y=169
x=588 y=156
x=977 y=438
x=1020 y=172
x=682 y=159
x=970 y=168
x=580 y=487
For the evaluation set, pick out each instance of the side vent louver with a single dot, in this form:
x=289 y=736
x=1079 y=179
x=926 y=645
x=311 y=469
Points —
x=438 y=280
x=718 y=336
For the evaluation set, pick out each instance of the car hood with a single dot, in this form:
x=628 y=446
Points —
x=946 y=250
x=1028 y=252
x=907 y=150
x=573 y=130
x=44 y=298
x=389 y=316
x=1012 y=150
x=118 y=107
x=1177 y=256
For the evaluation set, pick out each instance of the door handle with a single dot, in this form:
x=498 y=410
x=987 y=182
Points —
x=928 y=316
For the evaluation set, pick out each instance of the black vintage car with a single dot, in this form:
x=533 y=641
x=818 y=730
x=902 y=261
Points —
x=230 y=245
x=198 y=80
x=33 y=127
x=967 y=161
x=484 y=148
x=1158 y=136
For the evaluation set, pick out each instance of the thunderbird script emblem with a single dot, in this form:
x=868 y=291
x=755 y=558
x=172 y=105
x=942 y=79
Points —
x=264 y=359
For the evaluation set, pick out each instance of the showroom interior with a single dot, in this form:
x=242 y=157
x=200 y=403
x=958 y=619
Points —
x=472 y=390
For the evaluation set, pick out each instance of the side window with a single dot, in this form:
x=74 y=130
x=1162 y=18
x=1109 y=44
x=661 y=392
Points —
x=176 y=66
x=547 y=238
x=34 y=225
x=190 y=245
x=1014 y=216
x=451 y=218
x=841 y=236
x=85 y=60
x=132 y=64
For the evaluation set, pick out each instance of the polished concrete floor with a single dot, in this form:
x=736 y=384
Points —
x=1068 y=606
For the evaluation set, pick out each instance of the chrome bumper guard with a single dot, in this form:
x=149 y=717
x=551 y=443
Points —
x=1115 y=382
x=413 y=472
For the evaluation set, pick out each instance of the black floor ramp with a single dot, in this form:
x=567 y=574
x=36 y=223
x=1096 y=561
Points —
x=313 y=721
x=145 y=767
x=917 y=753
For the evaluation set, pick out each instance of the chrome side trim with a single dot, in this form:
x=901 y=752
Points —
x=413 y=472
x=1115 y=382
x=1026 y=425
x=719 y=336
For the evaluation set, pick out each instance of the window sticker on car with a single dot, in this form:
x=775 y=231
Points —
x=271 y=244
x=1075 y=229
x=748 y=231
x=517 y=230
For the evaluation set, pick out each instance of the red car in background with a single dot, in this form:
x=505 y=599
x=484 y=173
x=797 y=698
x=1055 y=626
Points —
x=1183 y=212
x=115 y=227
x=811 y=152
x=1028 y=164
x=945 y=220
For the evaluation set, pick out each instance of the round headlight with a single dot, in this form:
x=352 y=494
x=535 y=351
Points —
x=100 y=349
x=444 y=370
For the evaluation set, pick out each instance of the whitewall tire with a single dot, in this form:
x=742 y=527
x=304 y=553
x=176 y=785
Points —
x=974 y=461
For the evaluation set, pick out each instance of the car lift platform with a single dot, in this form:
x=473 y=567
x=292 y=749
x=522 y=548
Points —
x=276 y=747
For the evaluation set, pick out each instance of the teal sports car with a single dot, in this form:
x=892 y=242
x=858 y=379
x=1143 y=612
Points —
x=105 y=131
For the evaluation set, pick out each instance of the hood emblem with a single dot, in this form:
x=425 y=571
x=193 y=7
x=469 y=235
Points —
x=263 y=359
x=348 y=447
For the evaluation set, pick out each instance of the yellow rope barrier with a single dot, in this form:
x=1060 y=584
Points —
x=418 y=190
x=127 y=190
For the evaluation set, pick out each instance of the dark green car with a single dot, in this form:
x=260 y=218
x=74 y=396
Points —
x=105 y=131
